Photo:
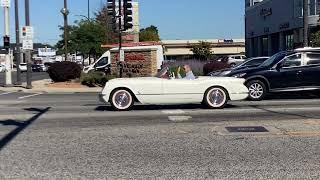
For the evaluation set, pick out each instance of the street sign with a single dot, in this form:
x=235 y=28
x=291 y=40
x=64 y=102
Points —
x=27 y=33
x=27 y=45
x=5 y=3
x=122 y=55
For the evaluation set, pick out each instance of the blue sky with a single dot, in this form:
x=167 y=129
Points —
x=176 y=19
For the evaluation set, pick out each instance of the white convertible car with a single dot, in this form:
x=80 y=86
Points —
x=213 y=92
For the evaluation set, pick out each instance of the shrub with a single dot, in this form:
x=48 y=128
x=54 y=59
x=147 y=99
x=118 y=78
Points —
x=214 y=66
x=93 y=79
x=64 y=71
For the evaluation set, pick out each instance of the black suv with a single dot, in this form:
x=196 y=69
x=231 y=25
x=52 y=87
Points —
x=287 y=71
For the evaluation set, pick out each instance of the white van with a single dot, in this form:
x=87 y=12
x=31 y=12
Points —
x=103 y=63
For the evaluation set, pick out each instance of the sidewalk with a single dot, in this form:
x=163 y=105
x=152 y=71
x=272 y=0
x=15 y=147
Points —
x=46 y=86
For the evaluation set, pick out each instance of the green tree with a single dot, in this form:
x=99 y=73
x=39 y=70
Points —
x=104 y=20
x=202 y=51
x=149 y=34
x=85 y=37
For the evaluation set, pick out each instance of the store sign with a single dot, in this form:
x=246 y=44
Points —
x=5 y=3
x=45 y=52
x=284 y=25
x=225 y=41
x=266 y=12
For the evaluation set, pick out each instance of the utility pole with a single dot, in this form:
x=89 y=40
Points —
x=17 y=55
x=28 y=52
x=305 y=23
x=65 y=13
x=88 y=9
x=6 y=42
x=120 y=38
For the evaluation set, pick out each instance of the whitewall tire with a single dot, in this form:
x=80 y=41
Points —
x=216 y=98
x=121 y=100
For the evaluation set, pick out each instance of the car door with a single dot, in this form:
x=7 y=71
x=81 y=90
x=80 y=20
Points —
x=311 y=70
x=287 y=74
x=182 y=90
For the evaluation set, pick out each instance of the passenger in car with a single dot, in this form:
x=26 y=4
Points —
x=189 y=73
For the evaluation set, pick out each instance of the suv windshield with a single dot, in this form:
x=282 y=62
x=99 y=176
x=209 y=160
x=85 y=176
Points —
x=274 y=59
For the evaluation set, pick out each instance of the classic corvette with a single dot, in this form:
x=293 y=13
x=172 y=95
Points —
x=214 y=92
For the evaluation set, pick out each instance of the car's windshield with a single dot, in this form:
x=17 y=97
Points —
x=275 y=58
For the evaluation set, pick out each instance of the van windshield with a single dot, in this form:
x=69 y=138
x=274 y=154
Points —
x=102 y=62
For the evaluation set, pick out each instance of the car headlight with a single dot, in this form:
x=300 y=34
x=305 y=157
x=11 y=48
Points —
x=240 y=75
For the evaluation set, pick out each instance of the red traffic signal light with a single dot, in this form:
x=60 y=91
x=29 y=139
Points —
x=6 y=42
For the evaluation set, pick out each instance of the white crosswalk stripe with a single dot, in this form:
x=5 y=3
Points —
x=23 y=97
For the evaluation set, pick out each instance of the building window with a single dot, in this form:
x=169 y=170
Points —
x=289 y=41
x=313 y=9
x=265 y=46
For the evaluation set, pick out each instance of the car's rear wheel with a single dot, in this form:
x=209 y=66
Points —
x=215 y=98
x=257 y=90
x=121 y=100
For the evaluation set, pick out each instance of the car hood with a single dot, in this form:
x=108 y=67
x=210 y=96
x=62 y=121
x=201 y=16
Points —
x=246 y=70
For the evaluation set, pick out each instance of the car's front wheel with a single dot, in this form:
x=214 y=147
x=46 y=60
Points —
x=215 y=98
x=121 y=100
x=257 y=90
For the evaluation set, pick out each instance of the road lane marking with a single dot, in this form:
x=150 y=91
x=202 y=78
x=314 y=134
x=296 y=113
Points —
x=179 y=118
x=23 y=97
x=173 y=111
x=7 y=93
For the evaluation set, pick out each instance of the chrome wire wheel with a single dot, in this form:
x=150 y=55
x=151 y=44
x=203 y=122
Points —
x=216 y=98
x=256 y=90
x=122 y=100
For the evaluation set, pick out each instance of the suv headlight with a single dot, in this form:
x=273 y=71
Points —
x=240 y=75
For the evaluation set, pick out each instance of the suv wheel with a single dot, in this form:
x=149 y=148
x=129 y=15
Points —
x=257 y=90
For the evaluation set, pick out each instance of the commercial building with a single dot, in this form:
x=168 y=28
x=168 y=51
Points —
x=276 y=25
x=181 y=49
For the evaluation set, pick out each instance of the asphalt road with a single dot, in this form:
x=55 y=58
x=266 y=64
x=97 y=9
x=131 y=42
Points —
x=35 y=76
x=73 y=136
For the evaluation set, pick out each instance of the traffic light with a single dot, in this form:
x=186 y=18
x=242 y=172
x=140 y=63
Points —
x=127 y=12
x=6 y=42
x=111 y=8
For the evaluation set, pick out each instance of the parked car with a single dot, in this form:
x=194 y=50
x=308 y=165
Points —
x=36 y=68
x=23 y=67
x=213 y=92
x=2 y=68
x=249 y=63
x=43 y=67
x=236 y=59
x=288 y=71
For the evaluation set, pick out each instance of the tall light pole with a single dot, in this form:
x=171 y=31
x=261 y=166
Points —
x=305 y=23
x=28 y=52
x=6 y=40
x=65 y=13
x=17 y=54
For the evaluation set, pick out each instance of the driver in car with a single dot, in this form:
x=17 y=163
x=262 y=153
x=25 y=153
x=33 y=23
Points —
x=189 y=73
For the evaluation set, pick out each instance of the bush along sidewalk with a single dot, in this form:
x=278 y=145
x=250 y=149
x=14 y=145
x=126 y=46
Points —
x=64 y=71
x=94 y=79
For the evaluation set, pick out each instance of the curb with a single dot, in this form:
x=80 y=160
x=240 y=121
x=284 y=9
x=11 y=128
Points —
x=55 y=91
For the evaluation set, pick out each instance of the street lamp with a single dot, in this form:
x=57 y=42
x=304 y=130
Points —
x=65 y=13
